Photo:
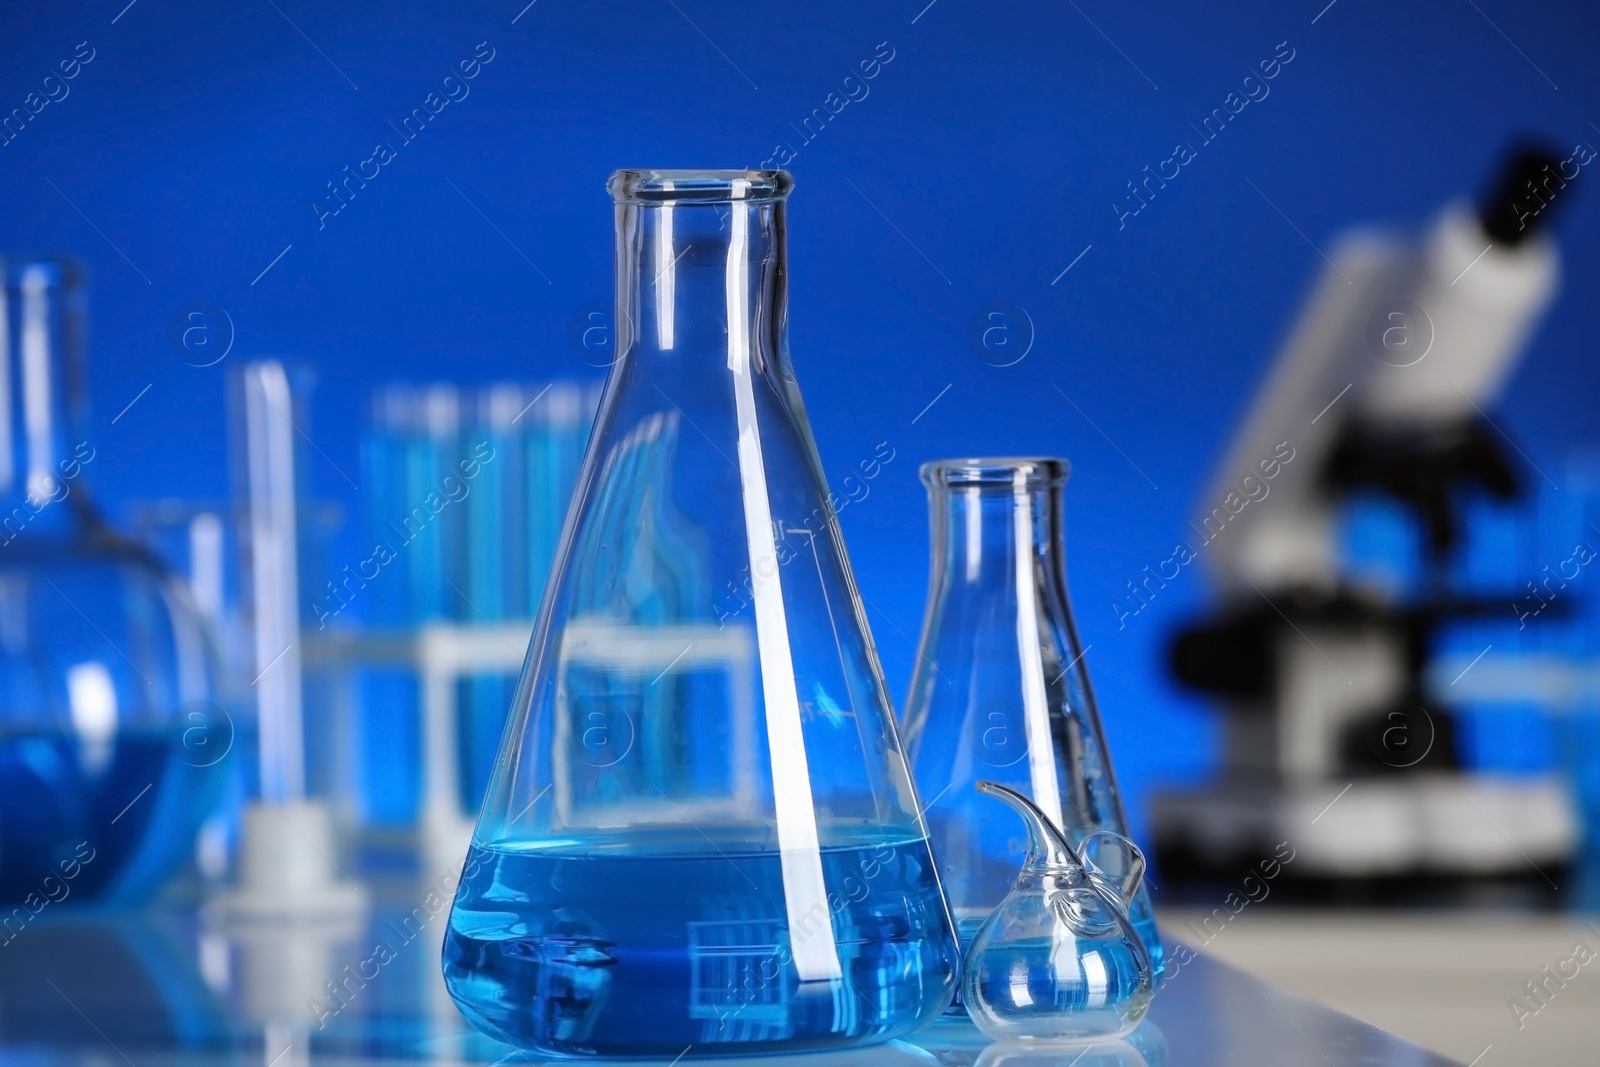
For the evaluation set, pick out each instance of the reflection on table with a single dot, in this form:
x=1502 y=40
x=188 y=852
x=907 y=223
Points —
x=176 y=986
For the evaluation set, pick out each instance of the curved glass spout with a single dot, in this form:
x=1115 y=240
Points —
x=1048 y=851
x=1114 y=862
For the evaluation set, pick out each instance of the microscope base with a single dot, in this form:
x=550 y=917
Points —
x=1415 y=825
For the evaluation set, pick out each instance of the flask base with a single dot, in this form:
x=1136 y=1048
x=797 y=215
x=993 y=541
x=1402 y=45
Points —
x=629 y=955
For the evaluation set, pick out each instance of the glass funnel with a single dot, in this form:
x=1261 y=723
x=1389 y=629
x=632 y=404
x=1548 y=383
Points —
x=1000 y=690
x=701 y=836
x=111 y=749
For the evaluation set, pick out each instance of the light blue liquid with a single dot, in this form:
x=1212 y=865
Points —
x=1143 y=917
x=607 y=951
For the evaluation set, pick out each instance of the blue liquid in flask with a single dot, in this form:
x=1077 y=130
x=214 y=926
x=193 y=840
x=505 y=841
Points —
x=604 y=948
x=96 y=817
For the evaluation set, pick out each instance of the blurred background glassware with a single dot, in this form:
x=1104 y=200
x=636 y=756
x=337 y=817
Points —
x=464 y=502
x=1059 y=958
x=701 y=830
x=110 y=739
x=1000 y=689
x=291 y=830
x=196 y=540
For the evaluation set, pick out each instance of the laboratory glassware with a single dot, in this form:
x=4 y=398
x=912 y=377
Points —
x=111 y=742
x=1059 y=958
x=1000 y=689
x=197 y=540
x=701 y=837
x=477 y=493
x=287 y=840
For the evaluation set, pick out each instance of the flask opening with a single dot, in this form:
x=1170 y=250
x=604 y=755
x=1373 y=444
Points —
x=674 y=187
x=997 y=472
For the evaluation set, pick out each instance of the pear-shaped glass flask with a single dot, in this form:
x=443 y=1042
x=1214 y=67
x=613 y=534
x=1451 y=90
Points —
x=112 y=748
x=1059 y=959
x=701 y=836
x=1000 y=689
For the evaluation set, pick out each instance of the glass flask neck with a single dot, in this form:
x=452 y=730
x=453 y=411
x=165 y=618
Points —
x=702 y=269
x=43 y=447
x=988 y=516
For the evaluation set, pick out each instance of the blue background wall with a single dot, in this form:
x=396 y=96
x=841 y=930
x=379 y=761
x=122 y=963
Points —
x=982 y=162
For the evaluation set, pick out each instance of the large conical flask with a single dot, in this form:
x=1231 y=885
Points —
x=1000 y=690
x=701 y=837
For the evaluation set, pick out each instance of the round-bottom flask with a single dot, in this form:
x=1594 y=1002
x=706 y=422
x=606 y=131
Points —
x=111 y=748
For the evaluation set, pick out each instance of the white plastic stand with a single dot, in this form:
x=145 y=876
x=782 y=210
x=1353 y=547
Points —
x=442 y=654
x=286 y=866
x=290 y=912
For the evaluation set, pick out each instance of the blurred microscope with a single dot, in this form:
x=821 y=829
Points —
x=1337 y=737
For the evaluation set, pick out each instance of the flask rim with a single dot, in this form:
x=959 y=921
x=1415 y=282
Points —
x=53 y=270
x=996 y=472
x=651 y=187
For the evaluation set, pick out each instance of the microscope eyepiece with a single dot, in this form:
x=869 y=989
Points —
x=1519 y=203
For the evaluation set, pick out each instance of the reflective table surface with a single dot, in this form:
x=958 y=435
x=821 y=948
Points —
x=175 y=986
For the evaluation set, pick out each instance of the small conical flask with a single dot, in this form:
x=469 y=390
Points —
x=1059 y=959
x=701 y=836
x=1000 y=689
